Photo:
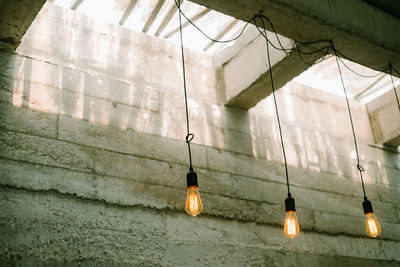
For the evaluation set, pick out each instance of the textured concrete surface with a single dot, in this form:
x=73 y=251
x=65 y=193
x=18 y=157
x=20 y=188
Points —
x=369 y=36
x=246 y=78
x=385 y=119
x=55 y=229
x=93 y=162
x=15 y=19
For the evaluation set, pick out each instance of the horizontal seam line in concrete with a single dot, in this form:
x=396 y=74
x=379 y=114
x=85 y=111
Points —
x=97 y=73
x=139 y=107
x=84 y=94
x=183 y=164
x=218 y=148
x=328 y=154
x=183 y=188
x=287 y=249
x=173 y=209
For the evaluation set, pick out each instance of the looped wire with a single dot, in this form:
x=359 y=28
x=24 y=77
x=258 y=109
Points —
x=189 y=137
x=360 y=168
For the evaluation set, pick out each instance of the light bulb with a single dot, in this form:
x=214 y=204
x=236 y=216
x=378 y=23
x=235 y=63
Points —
x=372 y=225
x=291 y=227
x=193 y=201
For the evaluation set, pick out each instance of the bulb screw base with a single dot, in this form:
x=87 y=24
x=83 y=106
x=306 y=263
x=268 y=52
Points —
x=289 y=203
x=367 y=205
x=191 y=179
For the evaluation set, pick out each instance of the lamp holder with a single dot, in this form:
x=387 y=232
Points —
x=367 y=205
x=191 y=179
x=289 y=203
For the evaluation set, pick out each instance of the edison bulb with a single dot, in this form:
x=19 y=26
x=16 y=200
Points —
x=291 y=227
x=372 y=225
x=193 y=201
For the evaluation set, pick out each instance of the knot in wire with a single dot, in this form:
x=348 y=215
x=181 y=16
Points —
x=360 y=168
x=189 y=137
x=331 y=45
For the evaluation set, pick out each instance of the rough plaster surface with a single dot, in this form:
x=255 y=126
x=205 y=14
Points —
x=385 y=119
x=93 y=163
x=247 y=82
x=15 y=19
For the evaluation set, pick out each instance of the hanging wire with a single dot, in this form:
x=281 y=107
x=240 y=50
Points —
x=355 y=72
x=276 y=106
x=287 y=50
x=359 y=167
x=296 y=46
x=394 y=87
x=299 y=52
x=203 y=33
x=262 y=17
x=189 y=136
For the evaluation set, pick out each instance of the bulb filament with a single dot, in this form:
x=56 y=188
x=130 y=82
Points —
x=372 y=225
x=291 y=228
x=193 y=201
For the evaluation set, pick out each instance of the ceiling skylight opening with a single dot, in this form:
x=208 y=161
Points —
x=159 y=18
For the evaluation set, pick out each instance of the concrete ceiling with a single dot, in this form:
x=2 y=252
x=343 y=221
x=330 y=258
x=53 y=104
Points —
x=390 y=6
x=367 y=34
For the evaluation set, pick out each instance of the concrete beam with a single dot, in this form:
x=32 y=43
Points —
x=76 y=4
x=127 y=12
x=187 y=23
x=384 y=114
x=15 y=19
x=229 y=52
x=222 y=33
x=153 y=15
x=171 y=11
x=247 y=78
x=369 y=36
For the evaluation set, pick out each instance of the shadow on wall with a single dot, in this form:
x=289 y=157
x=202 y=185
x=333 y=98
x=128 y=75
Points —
x=111 y=76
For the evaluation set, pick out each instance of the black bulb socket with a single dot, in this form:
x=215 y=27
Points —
x=289 y=203
x=191 y=179
x=367 y=205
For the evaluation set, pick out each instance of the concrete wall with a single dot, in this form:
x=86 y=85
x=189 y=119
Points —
x=385 y=119
x=93 y=162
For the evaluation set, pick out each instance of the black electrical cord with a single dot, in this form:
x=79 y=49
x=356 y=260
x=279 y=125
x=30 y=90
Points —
x=300 y=52
x=359 y=167
x=295 y=47
x=394 y=87
x=202 y=32
x=276 y=107
x=189 y=136
x=361 y=75
x=261 y=17
x=286 y=50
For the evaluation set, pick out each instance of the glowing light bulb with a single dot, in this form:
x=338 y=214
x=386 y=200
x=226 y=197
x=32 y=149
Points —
x=193 y=202
x=291 y=227
x=371 y=223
